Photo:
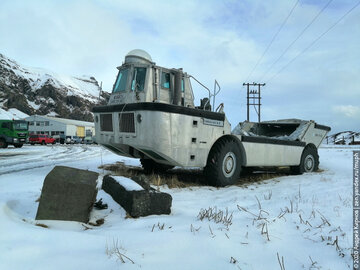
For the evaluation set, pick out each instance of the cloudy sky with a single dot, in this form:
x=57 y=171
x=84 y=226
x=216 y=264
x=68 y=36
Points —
x=308 y=74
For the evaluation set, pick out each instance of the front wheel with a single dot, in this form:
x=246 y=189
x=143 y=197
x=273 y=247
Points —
x=3 y=143
x=18 y=145
x=223 y=166
x=309 y=161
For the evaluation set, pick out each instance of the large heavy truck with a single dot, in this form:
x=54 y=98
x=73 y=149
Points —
x=13 y=132
x=151 y=116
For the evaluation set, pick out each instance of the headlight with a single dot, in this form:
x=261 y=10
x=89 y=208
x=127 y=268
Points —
x=15 y=140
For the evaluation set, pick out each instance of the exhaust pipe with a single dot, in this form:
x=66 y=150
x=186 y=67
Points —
x=177 y=86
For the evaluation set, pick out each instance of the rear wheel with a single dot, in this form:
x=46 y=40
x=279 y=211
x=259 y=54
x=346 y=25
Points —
x=309 y=161
x=150 y=166
x=223 y=166
x=43 y=143
x=3 y=143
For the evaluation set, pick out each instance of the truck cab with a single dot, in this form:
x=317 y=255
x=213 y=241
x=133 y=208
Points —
x=13 y=132
x=140 y=80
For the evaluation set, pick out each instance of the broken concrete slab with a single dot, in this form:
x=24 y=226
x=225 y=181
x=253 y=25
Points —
x=138 y=203
x=67 y=194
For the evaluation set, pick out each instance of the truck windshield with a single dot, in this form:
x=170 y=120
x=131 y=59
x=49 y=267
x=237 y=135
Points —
x=120 y=84
x=20 y=125
x=138 y=81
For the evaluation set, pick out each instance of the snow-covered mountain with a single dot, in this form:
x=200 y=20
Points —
x=40 y=91
x=344 y=137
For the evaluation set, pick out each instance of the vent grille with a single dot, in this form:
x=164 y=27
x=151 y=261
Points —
x=126 y=122
x=106 y=122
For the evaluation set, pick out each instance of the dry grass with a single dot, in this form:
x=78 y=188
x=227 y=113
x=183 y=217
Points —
x=42 y=225
x=187 y=178
x=117 y=251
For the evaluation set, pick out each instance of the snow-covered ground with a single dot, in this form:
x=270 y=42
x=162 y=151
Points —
x=12 y=113
x=304 y=220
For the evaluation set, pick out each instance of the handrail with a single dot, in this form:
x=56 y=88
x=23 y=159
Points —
x=216 y=84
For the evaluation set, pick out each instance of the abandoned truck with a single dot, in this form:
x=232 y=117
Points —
x=151 y=116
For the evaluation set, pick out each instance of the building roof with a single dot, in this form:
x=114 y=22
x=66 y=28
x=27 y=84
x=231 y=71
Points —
x=64 y=120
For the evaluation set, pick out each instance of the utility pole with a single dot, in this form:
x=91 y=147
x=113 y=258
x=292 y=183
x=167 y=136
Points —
x=253 y=98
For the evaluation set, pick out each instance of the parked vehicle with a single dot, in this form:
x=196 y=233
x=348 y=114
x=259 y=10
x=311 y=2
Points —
x=88 y=140
x=151 y=116
x=41 y=139
x=77 y=139
x=13 y=132
x=69 y=140
x=73 y=139
x=59 y=138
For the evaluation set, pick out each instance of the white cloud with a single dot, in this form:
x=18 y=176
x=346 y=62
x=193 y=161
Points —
x=348 y=111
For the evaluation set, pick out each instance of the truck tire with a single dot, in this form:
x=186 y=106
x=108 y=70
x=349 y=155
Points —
x=309 y=161
x=223 y=166
x=18 y=145
x=43 y=143
x=3 y=143
x=150 y=166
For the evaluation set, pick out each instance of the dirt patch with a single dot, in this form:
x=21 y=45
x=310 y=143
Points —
x=184 y=178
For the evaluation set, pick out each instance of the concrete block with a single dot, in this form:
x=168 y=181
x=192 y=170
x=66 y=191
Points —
x=138 y=203
x=67 y=194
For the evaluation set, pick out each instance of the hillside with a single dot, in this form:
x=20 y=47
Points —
x=44 y=92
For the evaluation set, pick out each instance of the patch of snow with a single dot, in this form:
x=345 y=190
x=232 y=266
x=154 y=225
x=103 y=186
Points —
x=12 y=113
x=33 y=104
x=52 y=114
x=17 y=113
x=128 y=184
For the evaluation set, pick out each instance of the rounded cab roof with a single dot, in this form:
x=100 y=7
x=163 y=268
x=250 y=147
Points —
x=138 y=55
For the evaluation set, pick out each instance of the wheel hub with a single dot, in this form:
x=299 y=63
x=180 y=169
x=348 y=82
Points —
x=309 y=163
x=229 y=164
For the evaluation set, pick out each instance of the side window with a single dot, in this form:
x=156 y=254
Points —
x=138 y=81
x=165 y=80
x=6 y=125
x=120 y=84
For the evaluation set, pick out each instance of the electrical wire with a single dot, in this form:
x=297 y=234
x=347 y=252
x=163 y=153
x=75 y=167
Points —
x=296 y=39
x=316 y=40
x=272 y=40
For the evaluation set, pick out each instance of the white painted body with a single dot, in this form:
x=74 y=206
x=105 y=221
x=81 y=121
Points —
x=145 y=120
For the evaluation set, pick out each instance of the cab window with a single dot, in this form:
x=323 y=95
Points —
x=165 y=80
x=138 y=81
x=6 y=125
x=120 y=84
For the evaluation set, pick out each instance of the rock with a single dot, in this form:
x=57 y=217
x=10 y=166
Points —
x=138 y=203
x=67 y=194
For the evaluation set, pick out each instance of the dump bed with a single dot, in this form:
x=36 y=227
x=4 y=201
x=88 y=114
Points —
x=291 y=130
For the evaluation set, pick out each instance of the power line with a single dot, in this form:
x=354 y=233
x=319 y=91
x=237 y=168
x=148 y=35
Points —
x=316 y=40
x=272 y=40
x=296 y=39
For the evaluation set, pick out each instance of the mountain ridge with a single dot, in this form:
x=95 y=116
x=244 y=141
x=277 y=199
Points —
x=44 y=92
